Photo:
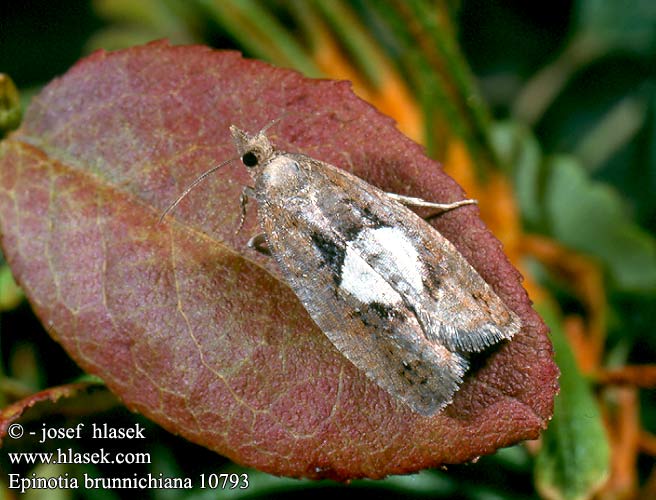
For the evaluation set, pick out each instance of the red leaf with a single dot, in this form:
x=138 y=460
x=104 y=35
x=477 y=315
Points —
x=186 y=324
x=13 y=412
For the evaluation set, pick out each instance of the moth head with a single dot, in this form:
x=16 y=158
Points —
x=254 y=150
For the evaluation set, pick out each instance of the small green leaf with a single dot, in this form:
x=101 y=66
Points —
x=590 y=217
x=574 y=460
x=10 y=106
x=10 y=293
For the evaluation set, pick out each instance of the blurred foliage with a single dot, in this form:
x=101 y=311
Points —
x=10 y=106
x=545 y=112
x=576 y=433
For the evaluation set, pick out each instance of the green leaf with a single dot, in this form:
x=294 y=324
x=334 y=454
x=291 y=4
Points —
x=10 y=106
x=260 y=33
x=557 y=196
x=619 y=25
x=10 y=293
x=574 y=459
x=132 y=23
x=519 y=151
x=590 y=217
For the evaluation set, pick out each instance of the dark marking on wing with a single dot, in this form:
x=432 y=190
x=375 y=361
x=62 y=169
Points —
x=432 y=280
x=378 y=315
x=382 y=310
x=348 y=226
x=331 y=255
x=349 y=218
x=412 y=375
x=362 y=316
x=375 y=221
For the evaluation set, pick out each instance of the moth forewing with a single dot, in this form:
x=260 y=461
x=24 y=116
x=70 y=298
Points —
x=390 y=292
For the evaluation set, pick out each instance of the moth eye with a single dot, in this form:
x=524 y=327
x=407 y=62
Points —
x=249 y=159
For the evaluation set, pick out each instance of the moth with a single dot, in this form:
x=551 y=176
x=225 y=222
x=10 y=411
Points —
x=393 y=295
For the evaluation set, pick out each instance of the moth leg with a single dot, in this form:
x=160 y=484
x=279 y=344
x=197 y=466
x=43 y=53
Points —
x=247 y=192
x=258 y=243
x=439 y=207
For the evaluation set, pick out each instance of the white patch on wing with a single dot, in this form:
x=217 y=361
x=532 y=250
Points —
x=394 y=251
x=364 y=283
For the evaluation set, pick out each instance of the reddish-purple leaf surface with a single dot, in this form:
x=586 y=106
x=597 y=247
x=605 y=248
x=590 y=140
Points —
x=186 y=324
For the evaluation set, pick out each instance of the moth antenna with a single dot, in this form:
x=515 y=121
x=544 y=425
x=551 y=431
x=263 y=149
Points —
x=274 y=122
x=191 y=186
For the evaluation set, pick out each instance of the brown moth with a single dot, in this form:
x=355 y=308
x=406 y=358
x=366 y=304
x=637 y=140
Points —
x=389 y=291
